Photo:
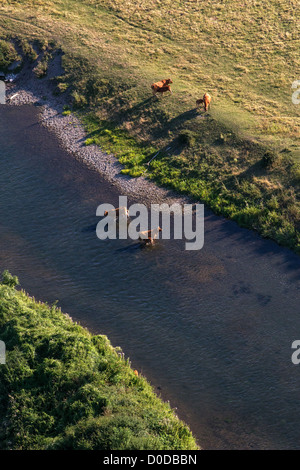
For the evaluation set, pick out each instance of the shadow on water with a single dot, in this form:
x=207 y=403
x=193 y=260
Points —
x=89 y=229
x=212 y=329
x=131 y=248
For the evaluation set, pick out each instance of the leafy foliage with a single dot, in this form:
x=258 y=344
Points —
x=9 y=280
x=63 y=388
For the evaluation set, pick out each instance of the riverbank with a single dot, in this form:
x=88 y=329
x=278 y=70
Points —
x=28 y=89
x=64 y=388
x=231 y=296
x=200 y=161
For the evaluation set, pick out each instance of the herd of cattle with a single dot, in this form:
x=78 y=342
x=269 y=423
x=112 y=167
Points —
x=164 y=85
x=148 y=237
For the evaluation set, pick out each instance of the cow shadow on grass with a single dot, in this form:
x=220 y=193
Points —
x=160 y=121
x=131 y=113
x=183 y=117
x=141 y=104
x=117 y=119
x=177 y=123
x=256 y=169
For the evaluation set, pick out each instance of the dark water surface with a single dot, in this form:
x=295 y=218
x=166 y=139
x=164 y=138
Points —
x=212 y=329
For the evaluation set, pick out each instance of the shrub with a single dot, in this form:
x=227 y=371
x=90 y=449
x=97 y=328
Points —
x=296 y=173
x=248 y=217
x=42 y=44
x=28 y=50
x=41 y=69
x=89 y=141
x=62 y=87
x=269 y=159
x=119 y=432
x=187 y=137
x=79 y=100
x=8 y=54
x=9 y=280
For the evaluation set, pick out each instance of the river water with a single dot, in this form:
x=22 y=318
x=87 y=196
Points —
x=211 y=329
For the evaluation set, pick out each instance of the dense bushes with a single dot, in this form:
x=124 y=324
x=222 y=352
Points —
x=62 y=388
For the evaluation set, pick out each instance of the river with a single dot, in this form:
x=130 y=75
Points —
x=211 y=329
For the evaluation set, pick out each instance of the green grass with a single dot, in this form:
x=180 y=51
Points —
x=8 y=55
x=41 y=68
x=246 y=56
x=129 y=151
x=64 y=388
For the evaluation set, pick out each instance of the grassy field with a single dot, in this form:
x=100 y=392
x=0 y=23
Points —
x=243 y=157
x=64 y=388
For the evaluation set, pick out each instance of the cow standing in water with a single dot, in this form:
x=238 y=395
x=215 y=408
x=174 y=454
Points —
x=148 y=237
x=205 y=101
x=117 y=213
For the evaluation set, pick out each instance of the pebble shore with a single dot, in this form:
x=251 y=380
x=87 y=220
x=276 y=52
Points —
x=27 y=89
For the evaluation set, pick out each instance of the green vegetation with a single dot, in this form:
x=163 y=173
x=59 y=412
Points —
x=42 y=67
x=28 y=50
x=8 y=55
x=126 y=148
x=64 y=388
x=243 y=157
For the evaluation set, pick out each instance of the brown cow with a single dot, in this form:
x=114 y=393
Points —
x=163 y=89
x=205 y=100
x=155 y=87
x=116 y=213
x=148 y=237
